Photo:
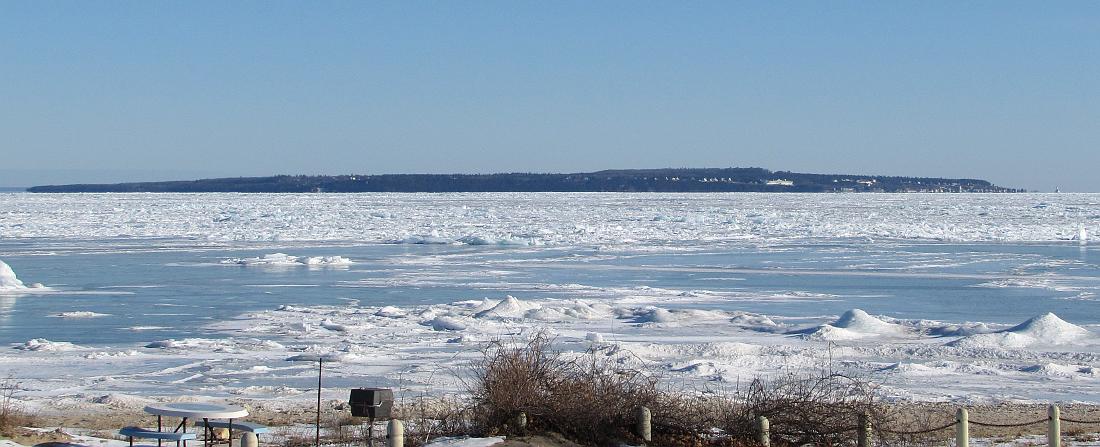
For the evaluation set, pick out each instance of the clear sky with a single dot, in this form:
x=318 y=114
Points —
x=147 y=90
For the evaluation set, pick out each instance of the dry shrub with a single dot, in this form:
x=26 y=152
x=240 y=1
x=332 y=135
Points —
x=594 y=402
x=821 y=409
x=12 y=413
x=430 y=417
x=585 y=400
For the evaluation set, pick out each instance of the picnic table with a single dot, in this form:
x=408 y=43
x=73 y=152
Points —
x=196 y=411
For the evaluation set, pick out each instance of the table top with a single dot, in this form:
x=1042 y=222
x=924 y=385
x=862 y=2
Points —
x=197 y=410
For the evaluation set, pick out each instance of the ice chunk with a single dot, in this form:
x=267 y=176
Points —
x=389 y=312
x=41 y=344
x=332 y=326
x=445 y=323
x=8 y=280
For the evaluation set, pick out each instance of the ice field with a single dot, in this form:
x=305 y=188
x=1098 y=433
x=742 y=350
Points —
x=114 y=299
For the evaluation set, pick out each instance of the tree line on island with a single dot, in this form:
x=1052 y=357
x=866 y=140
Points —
x=631 y=180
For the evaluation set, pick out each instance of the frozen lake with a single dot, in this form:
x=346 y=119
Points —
x=168 y=294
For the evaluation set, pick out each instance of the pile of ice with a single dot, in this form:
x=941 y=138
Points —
x=43 y=345
x=283 y=259
x=1043 y=330
x=10 y=283
x=8 y=280
x=853 y=325
x=509 y=307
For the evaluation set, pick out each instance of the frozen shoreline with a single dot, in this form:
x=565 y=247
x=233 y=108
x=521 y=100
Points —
x=423 y=350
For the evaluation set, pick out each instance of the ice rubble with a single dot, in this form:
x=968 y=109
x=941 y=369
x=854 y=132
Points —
x=552 y=218
x=282 y=259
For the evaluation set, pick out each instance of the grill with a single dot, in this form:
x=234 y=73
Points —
x=374 y=403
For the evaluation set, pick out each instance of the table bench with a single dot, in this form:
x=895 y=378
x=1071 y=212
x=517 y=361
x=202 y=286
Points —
x=143 y=433
x=236 y=426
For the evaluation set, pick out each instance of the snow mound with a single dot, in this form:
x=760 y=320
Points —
x=1046 y=329
x=43 y=345
x=828 y=332
x=853 y=325
x=859 y=321
x=283 y=259
x=509 y=307
x=445 y=323
x=760 y=323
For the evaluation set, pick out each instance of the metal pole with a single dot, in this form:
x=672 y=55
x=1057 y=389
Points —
x=370 y=433
x=317 y=438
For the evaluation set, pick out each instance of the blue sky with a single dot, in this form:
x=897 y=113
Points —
x=146 y=90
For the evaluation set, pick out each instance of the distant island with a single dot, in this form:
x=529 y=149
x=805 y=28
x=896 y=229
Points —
x=628 y=180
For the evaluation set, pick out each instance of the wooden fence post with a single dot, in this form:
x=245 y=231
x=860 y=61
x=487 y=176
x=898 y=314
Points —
x=521 y=422
x=763 y=431
x=395 y=433
x=1054 y=427
x=962 y=428
x=643 y=424
x=864 y=430
x=248 y=439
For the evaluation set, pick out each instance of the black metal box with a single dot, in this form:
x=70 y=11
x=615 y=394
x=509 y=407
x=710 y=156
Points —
x=374 y=403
